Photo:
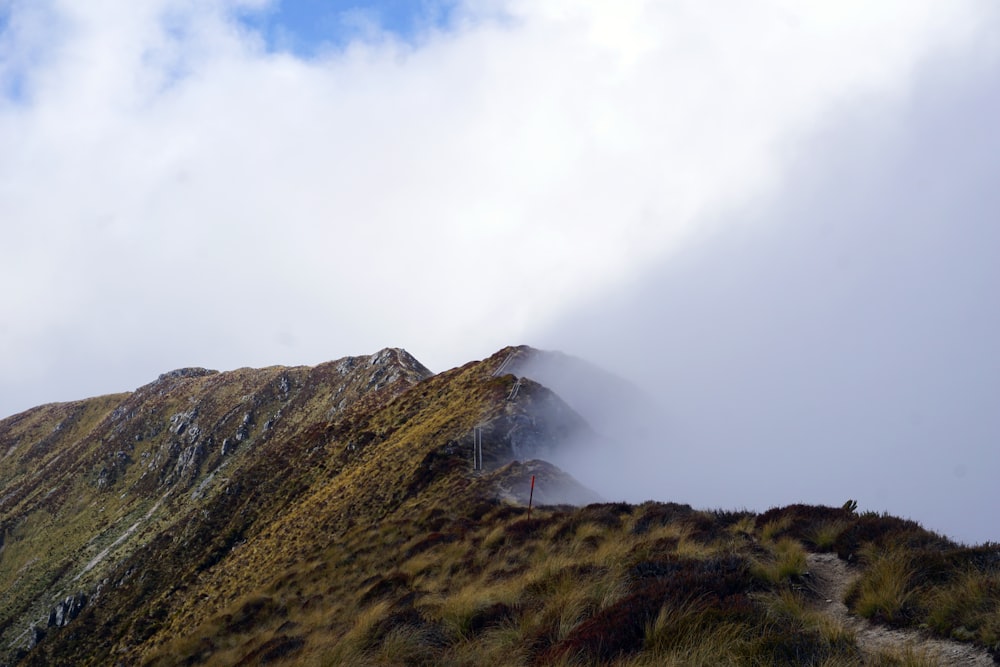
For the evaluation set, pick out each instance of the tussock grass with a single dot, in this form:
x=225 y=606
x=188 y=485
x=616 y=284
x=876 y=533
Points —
x=692 y=631
x=787 y=562
x=407 y=645
x=824 y=536
x=772 y=529
x=382 y=550
x=686 y=588
x=467 y=612
x=968 y=609
x=901 y=657
x=358 y=640
x=886 y=591
x=790 y=607
x=745 y=526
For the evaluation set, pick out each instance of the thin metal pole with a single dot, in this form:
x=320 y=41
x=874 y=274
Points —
x=531 y=495
x=477 y=448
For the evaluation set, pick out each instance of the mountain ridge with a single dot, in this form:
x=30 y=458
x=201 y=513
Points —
x=166 y=446
x=344 y=514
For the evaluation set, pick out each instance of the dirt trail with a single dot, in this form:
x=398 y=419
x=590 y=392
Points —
x=831 y=579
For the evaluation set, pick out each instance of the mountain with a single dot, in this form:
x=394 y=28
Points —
x=611 y=403
x=367 y=511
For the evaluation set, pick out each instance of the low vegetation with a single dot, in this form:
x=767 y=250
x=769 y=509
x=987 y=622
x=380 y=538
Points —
x=362 y=536
x=651 y=584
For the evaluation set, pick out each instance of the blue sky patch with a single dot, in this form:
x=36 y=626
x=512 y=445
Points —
x=307 y=27
x=11 y=79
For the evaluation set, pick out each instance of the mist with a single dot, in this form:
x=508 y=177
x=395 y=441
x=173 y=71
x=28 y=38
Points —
x=835 y=340
x=183 y=185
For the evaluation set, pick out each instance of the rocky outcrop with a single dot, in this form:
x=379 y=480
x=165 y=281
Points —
x=534 y=424
x=67 y=610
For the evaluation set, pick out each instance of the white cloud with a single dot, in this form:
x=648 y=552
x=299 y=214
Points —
x=171 y=193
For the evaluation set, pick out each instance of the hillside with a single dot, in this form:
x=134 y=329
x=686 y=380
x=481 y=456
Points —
x=334 y=515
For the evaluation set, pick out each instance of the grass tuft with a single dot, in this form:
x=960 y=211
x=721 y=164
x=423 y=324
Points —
x=885 y=593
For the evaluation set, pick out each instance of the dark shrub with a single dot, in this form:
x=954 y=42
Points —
x=660 y=514
x=603 y=514
x=803 y=520
x=716 y=586
x=885 y=530
x=382 y=587
x=492 y=616
x=793 y=646
x=252 y=613
x=431 y=540
x=273 y=650
x=521 y=530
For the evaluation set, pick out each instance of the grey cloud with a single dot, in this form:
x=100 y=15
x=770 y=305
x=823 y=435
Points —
x=839 y=340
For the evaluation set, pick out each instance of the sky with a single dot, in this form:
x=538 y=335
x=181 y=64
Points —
x=840 y=342
x=776 y=217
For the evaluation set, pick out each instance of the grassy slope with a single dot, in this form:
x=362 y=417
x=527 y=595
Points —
x=471 y=582
x=88 y=484
x=362 y=538
x=40 y=528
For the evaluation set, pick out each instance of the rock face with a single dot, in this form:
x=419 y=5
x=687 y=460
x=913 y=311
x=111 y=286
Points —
x=159 y=505
x=67 y=610
x=532 y=425
x=614 y=407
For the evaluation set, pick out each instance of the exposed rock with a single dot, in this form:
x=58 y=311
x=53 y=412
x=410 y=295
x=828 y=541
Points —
x=35 y=636
x=188 y=460
x=243 y=431
x=67 y=610
x=180 y=421
x=193 y=372
x=531 y=427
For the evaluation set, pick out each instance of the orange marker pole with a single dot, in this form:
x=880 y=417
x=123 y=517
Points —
x=531 y=495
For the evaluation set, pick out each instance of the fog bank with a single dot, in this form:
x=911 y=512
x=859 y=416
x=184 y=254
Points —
x=838 y=340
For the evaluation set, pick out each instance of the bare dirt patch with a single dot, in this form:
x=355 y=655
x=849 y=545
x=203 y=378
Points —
x=831 y=577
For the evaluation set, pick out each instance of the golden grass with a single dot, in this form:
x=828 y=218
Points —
x=370 y=559
x=886 y=588
x=786 y=563
x=967 y=607
x=770 y=529
x=791 y=607
x=826 y=533
x=901 y=657
x=692 y=634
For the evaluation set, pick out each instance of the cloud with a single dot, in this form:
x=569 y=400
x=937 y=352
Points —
x=836 y=339
x=173 y=192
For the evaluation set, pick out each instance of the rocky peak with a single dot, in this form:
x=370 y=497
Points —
x=391 y=364
x=193 y=372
